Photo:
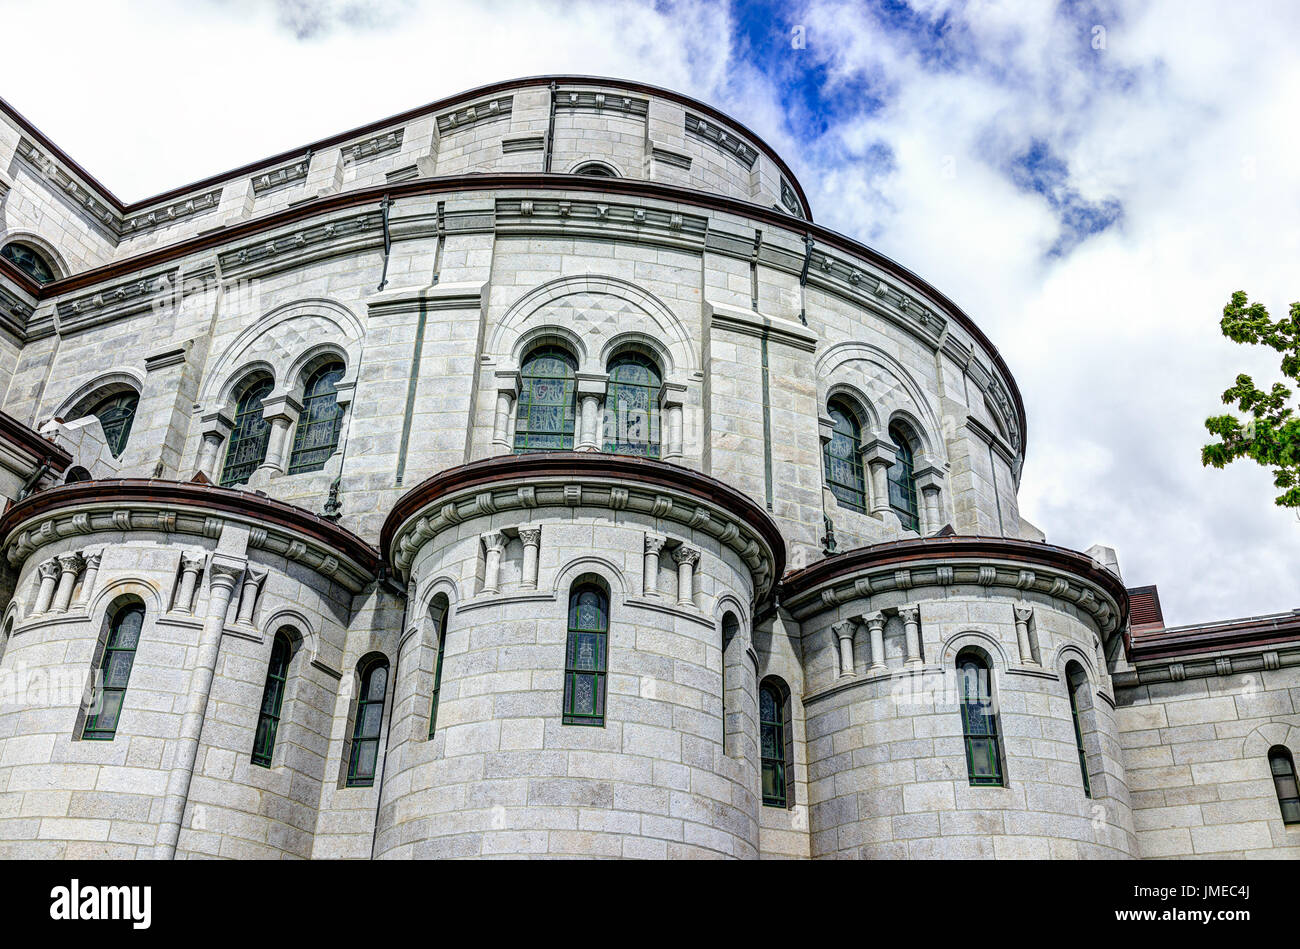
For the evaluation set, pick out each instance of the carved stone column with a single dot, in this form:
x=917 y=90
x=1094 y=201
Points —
x=281 y=412
x=911 y=616
x=929 y=479
x=687 y=558
x=92 y=573
x=191 y=564
x=671 y=421
x=878 y=455
x=531 y=538
x=216 y=429
x=495 y=544
x=69 y=566
x=844 y=636
x=507 y=392
x=591 y=393
x=1023 y=615
x=876 y=626
x=222 y=577
x=49 y=574
x=253 y=580
x=654 y=545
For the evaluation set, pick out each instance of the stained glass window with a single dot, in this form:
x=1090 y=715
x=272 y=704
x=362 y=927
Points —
x=585 y=660
x=1282 y=765
x=772 y=735
x=437 y=673
x=1077 y=681
x=115 y=414
x=365 y=734
x=268 y=720
x=249 y=436
x=632 y=406
x=319 y=422
x=902 y=479
x=548 y=401
x=843 y=458
x=114 y=673
x=979 y=722
x=29 y=261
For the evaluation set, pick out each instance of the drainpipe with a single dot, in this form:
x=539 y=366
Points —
x=550 y=134
x=223 y=575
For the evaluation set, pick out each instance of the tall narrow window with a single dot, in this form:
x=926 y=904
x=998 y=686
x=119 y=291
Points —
x=730 y=627
x=317 y=434
x=268 y=720
x=1077 y=685
x=632 y=406
x=440 y=618
x=548 y=401
x=115 y=414
x=1282 y=765
x=249 y=436
x=365 y=733
x=585 y=657
x=774 y=743
x=902 y=479
x=843 y=458
x=979 y=721
x=29 y=260
x=114 y=673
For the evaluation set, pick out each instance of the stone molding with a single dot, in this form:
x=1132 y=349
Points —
x=526 y=483
x=1013 y=566
x=89 y=507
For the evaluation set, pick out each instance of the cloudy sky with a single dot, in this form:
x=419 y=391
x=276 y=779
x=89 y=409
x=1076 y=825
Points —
x=1090 y=181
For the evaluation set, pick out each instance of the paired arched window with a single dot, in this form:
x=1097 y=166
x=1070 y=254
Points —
x=268 y=719
x=1282 y=765
x=1077 y=685
x=632 y=406
x=548 y=401
x=114 y=673
x=249 y=436
x=775 y=742
x=29 y=260
x=115 y=414
x=438 y=613
x=319 y=422
x=586 y=659
x=979 y=720
x=902 y=478
x=843 y=457
x=370 y=716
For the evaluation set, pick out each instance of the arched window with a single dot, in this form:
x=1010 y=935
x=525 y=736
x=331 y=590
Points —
x=548 y=401
x=318 y=425
x=249 y=436
x=29 y=260
x=730 y=627
x=595 y=169
x=1282 y=765
x=843 y=457
x=1077 y=685
x=902 y=478
x=370 y=716
x=114 y=673
x=775 y=743
x=115 y=414
x=439 y=616
x=585 y=661
x=268 y=720
x=632 y=406
x=4 y=640
x=979 y=720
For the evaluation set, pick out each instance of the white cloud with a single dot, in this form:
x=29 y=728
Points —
x=1186 y=117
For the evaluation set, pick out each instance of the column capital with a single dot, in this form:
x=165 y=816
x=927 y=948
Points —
x=683 y=554
x=530 y=536
x=216 y=423
x=910 y=614
x=192 y=560
x=70 y=562
x=592 y=384
x=1024 y=613
x=49 y=570
x=92 y=558
x=281 y=407
x=671 y=394
x=874 y=621
x=843 y=630
x=507 y=382
x=878 y=452
x=654 y=543
x=225 y=571
x=494 y=540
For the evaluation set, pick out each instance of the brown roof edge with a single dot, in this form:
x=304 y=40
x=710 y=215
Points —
x=964 y=545
x=578 y=464
x=531 y=180
x=407 y=116
x=33 y=443
x=246 y=503
x=1207 y=637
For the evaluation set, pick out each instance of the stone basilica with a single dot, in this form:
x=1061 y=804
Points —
x=528 y=475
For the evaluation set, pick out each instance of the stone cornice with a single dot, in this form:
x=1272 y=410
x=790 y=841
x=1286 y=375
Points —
x=722 y=139
x=1284 y=653
x=588 y=479
x=991 y=562
x=89 y=507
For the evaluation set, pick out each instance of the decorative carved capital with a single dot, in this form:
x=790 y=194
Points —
x=684 y=554
x=1024 y=614
x=49 y=570
x=910 y=614
x=192 y=561
x=843 y=630
x=875 y=622
x=92 y=558
x=494 y=540
x=530 y=536
x=70 y=563
x=654 y=543
x=225 y=572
